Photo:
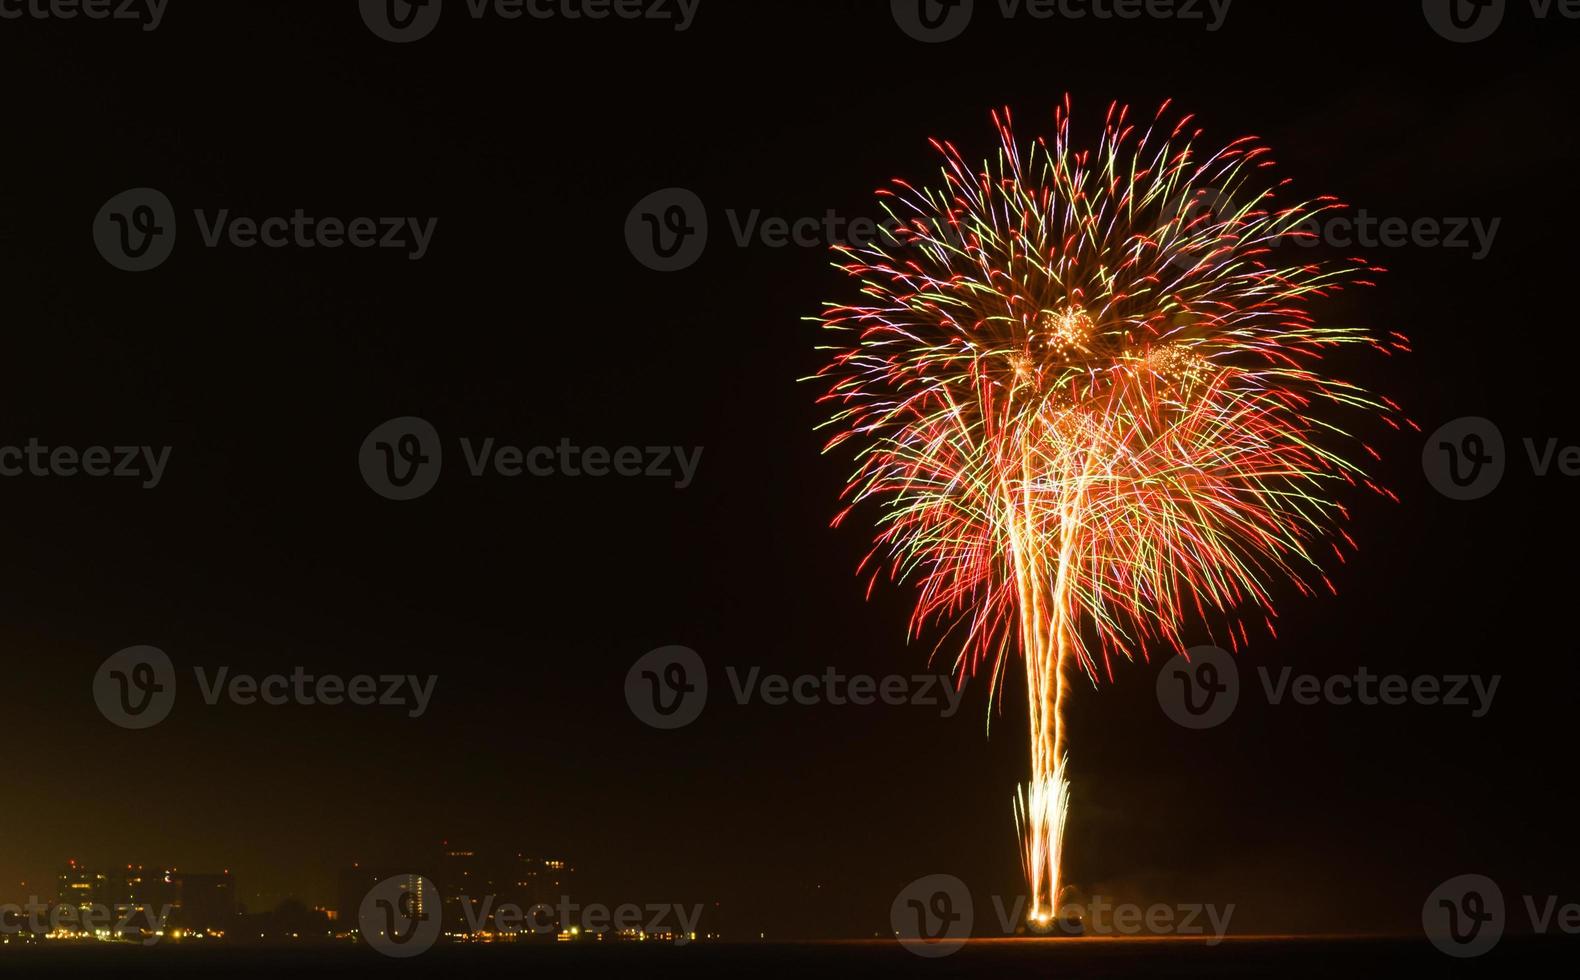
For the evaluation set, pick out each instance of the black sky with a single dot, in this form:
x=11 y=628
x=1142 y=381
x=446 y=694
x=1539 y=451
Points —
x=531 y=321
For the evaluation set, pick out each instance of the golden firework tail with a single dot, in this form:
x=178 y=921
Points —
x=1040 y=810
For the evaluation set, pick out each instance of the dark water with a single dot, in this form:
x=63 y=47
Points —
x=1330 y=960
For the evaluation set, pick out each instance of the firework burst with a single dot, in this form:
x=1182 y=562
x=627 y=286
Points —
x=1085 y=392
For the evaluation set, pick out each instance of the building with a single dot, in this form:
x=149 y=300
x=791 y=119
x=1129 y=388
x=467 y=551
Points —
x=81 y=888
x=462 y=875
x=513 y=879
x=201 y=903
x=197 y=902
x=358 y=880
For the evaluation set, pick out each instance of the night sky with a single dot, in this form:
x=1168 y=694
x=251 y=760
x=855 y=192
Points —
x=529 y=320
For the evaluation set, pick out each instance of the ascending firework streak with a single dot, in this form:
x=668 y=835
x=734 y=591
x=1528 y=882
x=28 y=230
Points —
x=1084 y=389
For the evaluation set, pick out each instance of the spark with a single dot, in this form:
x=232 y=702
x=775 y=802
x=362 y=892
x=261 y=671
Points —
x=1085 y=392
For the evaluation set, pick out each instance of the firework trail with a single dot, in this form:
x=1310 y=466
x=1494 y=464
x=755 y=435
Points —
x=1085 y=391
